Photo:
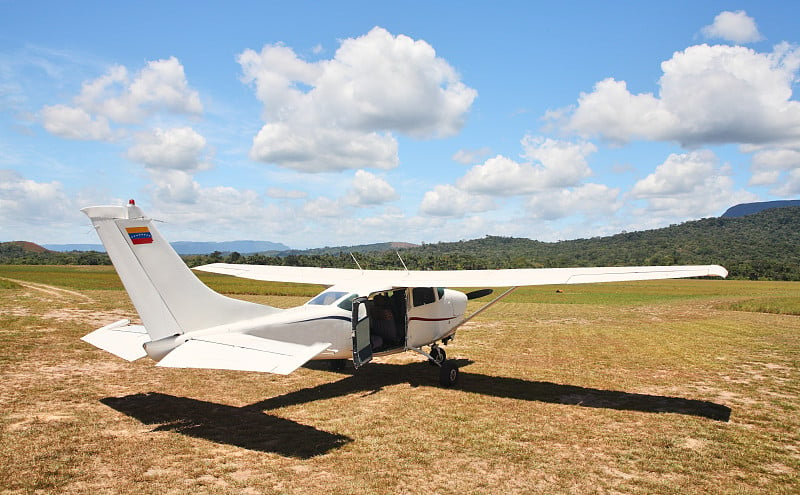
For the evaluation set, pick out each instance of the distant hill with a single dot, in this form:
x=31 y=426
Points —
x=26 y=247
x=190 y=247
x=361 y=248
x=745 y=209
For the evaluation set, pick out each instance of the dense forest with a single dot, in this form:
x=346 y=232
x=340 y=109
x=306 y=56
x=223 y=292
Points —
x=765 y=245
x=27 y=253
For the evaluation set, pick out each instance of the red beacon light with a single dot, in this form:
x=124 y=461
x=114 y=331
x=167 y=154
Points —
x=131 y=202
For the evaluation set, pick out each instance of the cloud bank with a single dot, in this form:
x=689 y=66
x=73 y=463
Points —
x=342 y=113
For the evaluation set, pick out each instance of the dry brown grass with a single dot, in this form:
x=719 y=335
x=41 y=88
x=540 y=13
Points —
x=670 y=395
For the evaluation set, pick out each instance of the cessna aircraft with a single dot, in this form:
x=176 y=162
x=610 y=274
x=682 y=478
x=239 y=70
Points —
x=363 y=313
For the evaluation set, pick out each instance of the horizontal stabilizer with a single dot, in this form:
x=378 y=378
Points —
x=243 y=352
x=121 y=339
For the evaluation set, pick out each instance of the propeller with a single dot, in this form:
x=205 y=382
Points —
x=479 y=293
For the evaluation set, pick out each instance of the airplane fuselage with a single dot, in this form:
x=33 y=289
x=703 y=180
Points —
x=415 y=317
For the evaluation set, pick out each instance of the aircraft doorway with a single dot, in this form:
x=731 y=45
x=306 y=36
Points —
x=381 y=327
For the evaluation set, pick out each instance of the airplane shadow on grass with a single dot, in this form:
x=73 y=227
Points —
x=375 y=376
x=250 y=428
x=239 y=426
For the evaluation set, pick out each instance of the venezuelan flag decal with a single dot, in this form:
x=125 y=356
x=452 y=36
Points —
x=139 y=235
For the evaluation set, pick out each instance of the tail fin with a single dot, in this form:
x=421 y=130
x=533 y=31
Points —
x=169 y=298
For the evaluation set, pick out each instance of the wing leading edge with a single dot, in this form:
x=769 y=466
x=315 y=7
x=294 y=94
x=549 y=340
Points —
x=518 y=277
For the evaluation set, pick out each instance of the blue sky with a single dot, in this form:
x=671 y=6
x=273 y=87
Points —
x=321 y=123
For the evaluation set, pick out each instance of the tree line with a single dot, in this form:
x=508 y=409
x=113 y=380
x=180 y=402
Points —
x=762 y=246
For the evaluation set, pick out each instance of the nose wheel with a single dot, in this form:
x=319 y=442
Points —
x=448 y=374
x=448 y=371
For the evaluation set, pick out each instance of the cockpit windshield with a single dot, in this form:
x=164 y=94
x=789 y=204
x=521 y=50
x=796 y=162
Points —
x=331 y=297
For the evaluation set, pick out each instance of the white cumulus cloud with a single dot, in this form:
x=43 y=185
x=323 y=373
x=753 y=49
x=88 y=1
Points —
x=588 y=200
x=174 y=186
x=689 y=185
x=374 y=85
x=323 y=207
x=30 y=203
x=737 y=27
x=368 y=189
x=160 y=87
x=179 y=148
x=323 y=149
x=553 y=164
x=708 y=95
x=75 y=123
x=779 y=168
x=449 y=201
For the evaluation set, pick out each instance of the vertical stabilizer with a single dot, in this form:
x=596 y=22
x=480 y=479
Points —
x=169 y=298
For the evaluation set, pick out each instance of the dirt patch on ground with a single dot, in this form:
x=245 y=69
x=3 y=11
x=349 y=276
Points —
x=52 y=291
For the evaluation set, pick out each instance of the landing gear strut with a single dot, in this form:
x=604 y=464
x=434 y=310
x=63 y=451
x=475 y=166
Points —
x=438 y=356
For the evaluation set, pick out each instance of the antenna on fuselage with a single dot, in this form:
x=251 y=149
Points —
x=401 y=260
x=354 y=259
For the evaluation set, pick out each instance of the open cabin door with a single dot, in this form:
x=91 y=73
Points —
x=362 y=345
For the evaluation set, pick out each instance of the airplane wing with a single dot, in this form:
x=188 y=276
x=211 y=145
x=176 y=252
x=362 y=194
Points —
x=462 y=278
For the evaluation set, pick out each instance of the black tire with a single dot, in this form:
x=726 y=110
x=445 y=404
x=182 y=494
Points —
x=439 y=356
x=448 y=374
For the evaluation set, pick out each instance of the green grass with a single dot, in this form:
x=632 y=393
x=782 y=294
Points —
x=775 y=305
x=65 y=276
x=781 y=295
x=8 y=284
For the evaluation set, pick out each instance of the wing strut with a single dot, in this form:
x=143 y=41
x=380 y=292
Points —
x=401 y=260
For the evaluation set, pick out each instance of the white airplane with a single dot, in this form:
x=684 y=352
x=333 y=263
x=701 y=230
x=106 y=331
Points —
x=363 y=313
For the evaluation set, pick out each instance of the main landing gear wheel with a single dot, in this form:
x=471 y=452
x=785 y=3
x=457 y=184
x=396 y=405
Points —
x=448 y=374
x=438 y=356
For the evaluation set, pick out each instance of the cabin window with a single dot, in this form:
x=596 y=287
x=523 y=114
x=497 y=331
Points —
x=423 y=295
x=327 y=298
x=347 y=303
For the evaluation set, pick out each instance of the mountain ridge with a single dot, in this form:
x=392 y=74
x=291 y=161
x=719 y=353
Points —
x=744 y=209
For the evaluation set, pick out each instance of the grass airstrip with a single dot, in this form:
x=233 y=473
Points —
x=687 y=386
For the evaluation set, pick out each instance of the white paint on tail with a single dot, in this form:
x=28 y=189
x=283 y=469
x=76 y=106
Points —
x=169 y=298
